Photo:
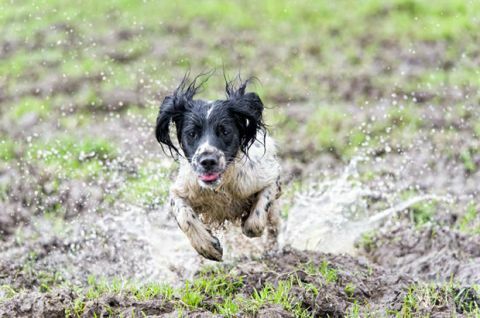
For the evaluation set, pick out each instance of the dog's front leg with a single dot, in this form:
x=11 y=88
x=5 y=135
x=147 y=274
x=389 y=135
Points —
x=259 y=215
x=200 y=237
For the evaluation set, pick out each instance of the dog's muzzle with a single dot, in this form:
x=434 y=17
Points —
x=209 y=166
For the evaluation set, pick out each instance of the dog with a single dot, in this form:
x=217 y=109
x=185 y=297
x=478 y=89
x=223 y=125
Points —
x=228 y=167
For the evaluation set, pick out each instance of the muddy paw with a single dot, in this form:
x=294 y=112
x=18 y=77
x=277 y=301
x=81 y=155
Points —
x=210 y=249
x=253 y=227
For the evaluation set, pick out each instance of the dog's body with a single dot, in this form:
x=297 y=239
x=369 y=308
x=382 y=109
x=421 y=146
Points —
x=230 y=172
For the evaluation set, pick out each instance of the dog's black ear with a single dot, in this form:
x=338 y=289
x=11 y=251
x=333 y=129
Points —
x=248 y=110
x=172 y=110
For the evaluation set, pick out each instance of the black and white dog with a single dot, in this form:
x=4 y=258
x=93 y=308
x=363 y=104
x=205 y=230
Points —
x=228 y=171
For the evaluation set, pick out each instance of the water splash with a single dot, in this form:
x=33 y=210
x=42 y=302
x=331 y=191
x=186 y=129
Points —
x=165 y=254
x=146 y=245
x=331 y=215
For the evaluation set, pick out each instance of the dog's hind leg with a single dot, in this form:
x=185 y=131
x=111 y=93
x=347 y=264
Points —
x=273 y=225
x=200 y=237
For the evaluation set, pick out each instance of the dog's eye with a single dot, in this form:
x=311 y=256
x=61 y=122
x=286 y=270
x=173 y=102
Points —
x=223 y=130
x=192 y=134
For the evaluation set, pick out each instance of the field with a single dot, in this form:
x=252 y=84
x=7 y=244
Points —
x=374 y=106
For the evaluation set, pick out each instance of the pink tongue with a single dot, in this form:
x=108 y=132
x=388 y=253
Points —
x=209 y=177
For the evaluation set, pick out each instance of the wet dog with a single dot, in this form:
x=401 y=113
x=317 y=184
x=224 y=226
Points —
x=228 y=170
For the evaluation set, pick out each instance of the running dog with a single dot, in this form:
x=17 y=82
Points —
x=228 y=169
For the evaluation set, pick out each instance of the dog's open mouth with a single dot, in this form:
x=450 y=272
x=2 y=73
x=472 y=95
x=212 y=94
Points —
x=210 y=177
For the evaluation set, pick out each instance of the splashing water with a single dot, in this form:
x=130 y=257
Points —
x=332 y=214
x=149 y=246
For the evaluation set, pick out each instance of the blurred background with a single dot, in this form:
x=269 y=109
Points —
x=392 y=85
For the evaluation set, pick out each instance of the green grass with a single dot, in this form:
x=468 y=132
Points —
x=46 y=281
x=422 y=19
x=476 y=128
x=404 y=116
x=328 y=127
x=7 y=149
x=276 y=294
x=469 y=222
x=367 y=241
x=6 y=292
x=342 y=134
x=350 y=289
x=71 y=157
x=217 y=282
x=280 y=124
x=354 y=312
x=29 y=105
x=420 y=298
x=148 y=186
x=329 y=273
x=271 y=21
x=467 y=158
x=78 y=121
x=421 y=213
x=214 y=289
x=97 y=287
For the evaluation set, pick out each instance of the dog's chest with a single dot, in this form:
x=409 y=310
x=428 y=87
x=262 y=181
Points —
x=215 y=207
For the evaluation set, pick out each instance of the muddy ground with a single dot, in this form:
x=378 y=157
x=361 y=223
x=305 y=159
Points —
x=83 y=226
x=344 y=286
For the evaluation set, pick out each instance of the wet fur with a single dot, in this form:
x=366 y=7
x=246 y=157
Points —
x=245 y=196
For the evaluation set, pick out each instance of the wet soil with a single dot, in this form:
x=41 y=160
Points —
x=383 y=290
x=433 y=253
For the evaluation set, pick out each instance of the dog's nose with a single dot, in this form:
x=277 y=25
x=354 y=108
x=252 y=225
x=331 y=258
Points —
x=208 y=162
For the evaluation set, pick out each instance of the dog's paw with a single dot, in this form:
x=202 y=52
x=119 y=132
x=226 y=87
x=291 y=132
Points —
x=209 y=247
x=253 y=227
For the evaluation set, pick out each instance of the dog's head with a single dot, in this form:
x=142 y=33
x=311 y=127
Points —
x=210 y=133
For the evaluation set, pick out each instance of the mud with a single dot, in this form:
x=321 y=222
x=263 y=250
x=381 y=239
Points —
x=435 y=253
x=30 y=192
x=372 y=283
x=381 y=289
x=56 y=304
x=135 y=245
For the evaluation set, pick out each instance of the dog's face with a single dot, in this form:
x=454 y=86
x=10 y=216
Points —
x=210 y=134
x=210 y=139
